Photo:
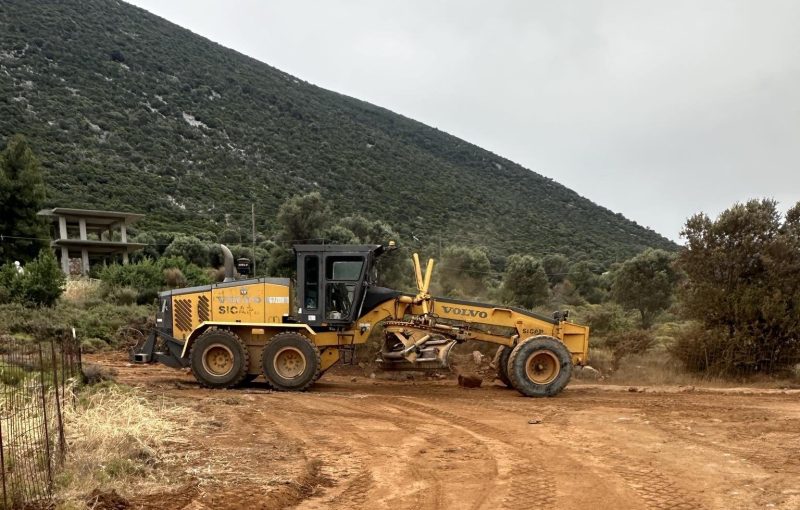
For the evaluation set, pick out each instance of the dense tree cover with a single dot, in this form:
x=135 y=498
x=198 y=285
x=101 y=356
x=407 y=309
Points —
x=742 y=288
x=128 y=111
x=645 y=283
x=22 y=195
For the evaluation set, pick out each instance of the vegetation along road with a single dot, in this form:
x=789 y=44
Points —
x=359 y=442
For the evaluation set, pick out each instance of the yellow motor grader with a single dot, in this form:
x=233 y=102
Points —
x=232 y=332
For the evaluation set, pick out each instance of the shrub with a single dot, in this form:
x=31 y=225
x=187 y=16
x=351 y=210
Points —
x=174 y=278
x=144 y=276
x=191 y=273
x=41 y=283
x=92 y=345
x=607 y=319
x=190 y=248
x=123 y=296
x=625 y=343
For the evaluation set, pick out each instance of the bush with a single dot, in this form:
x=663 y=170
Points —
x=123 y=296
x=174 y=278
x=101 y=321
x=626 y=343
x=41 y=283
x=190 y=248
x=607 y=319
x=144 y=276
x=92 y=345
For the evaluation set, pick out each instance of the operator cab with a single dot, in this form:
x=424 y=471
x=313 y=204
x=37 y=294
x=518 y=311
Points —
x=332 y=281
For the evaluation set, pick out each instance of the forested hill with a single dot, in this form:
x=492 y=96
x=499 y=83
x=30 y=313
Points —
x=128 y=111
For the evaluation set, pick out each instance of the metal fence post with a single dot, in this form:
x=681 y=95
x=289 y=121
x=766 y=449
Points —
x=3 y=464
x=61 y=438
x=46 y=428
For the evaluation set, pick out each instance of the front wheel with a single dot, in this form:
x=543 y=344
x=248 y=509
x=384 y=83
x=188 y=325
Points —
x=291 y=362
x=540 y=366
x=219 y=359
x=503 y=353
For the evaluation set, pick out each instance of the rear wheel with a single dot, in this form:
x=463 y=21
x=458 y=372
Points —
x=219 y=359
x=540 y=366
x=291 y=362
x=503 y=353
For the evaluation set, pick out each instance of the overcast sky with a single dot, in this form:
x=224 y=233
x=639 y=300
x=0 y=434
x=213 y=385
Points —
x=653 y=109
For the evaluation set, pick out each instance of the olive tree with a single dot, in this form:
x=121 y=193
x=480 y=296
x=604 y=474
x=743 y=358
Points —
x=525 y=281
x=742 y=289
x=645 y=283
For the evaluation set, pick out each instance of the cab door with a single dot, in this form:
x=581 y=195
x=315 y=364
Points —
x=344 y=286
x=309 y=292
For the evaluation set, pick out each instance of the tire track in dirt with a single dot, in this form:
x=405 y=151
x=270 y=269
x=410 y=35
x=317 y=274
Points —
x=529 y=482
x=324 y=447
x=429 y=496
x=657 y=490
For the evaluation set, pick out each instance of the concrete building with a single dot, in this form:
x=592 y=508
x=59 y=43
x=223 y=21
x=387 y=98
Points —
x=90 y=234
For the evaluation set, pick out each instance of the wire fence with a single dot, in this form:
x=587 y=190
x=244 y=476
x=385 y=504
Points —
x=37 y=380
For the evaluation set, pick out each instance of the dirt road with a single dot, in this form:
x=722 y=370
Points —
x=369 y=443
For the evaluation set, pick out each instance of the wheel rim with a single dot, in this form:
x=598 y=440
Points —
x=542 y=367
x=218 y=360
x=289 y=362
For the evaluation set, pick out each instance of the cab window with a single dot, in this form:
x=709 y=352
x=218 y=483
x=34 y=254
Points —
x=342 y=274
x=312 y=282
x=344 y=268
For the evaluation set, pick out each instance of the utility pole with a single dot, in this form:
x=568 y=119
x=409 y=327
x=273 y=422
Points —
x=253 y=218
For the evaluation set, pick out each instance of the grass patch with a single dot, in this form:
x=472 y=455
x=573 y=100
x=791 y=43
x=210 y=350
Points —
x=119 y=438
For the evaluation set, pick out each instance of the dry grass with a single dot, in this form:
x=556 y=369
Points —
x=81 y=290
x=120 y=439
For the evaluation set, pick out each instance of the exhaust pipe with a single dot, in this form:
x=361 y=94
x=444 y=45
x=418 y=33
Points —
x=228 y=256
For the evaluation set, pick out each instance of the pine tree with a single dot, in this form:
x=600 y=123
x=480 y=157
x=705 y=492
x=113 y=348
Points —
x=22 y=195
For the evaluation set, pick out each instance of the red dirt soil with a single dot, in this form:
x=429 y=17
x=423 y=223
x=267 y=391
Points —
x=377 y=444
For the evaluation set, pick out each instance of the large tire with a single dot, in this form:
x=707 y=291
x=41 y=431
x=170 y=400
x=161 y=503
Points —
x=504 y=352
x=291 y=362
x=541 y=366
x=219 y=359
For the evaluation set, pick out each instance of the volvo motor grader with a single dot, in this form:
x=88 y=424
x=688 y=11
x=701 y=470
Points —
x=232 y=332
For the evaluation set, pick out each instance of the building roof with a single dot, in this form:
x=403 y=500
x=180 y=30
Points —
x=92 y=216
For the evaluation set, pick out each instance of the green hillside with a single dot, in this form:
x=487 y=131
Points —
x=128 y=111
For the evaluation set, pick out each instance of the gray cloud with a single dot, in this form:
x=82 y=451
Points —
x=653 y=109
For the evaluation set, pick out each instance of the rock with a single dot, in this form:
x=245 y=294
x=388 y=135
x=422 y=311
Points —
x=633 y=389
x=372 y=375
x=469 y=381
x=353 y=379
x=94 y=373
x=534 y=421
x=587 y=372
x=109 y=500
x=477 y=357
